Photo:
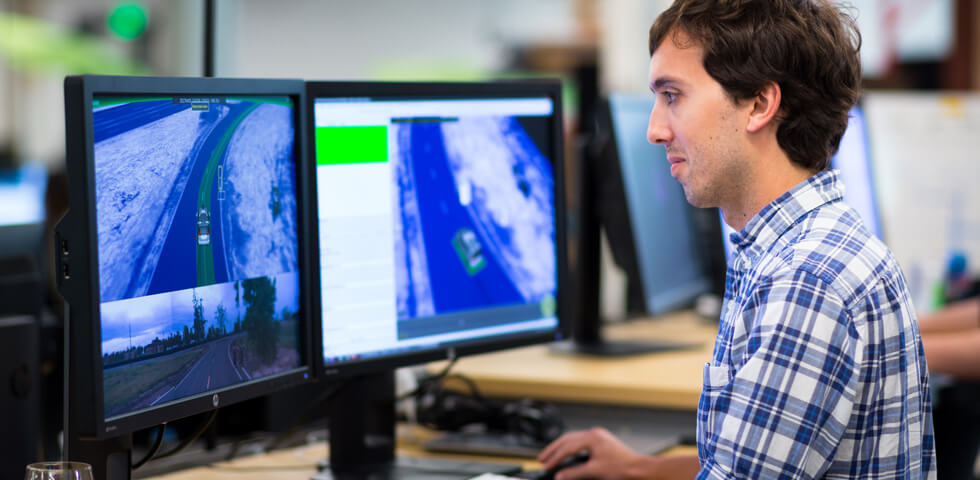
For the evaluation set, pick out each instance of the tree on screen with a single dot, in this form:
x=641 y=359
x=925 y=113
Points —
x=263 y=332
x=199 y=330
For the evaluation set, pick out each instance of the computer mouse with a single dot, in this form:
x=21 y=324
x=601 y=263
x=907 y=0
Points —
x=569 y=461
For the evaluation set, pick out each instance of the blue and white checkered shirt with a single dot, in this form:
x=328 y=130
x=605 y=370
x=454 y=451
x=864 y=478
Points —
x=818 y=368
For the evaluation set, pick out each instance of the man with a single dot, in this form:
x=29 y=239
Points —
x=818 y=368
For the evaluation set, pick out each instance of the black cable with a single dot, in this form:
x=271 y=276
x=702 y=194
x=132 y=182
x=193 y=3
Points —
x=154 y=448
x=427 y=380
x=185 y=443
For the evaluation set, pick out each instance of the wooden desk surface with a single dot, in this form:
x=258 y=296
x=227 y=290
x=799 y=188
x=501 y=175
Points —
x=300 y=463
x=659 y=380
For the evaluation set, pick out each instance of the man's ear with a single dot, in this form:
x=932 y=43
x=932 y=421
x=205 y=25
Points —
x=765 y=106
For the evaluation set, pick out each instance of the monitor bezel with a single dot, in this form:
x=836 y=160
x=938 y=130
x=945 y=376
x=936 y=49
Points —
x=550 y=88
x=79 y=231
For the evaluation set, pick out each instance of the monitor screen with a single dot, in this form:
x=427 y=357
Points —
x=196 y=245
x=853 y=160
x=22 y=195
x=671 y=268
x=437 y=219
x=22 y=212
x=198 y=256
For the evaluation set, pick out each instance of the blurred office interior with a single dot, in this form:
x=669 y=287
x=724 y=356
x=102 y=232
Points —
x=910 y=48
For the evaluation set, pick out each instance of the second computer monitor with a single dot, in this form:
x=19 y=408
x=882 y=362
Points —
x=439 y=230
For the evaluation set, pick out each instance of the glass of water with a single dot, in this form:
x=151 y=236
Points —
x=59 y=471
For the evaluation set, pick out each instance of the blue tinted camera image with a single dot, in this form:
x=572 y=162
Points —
x=476 y=225
x=197 y=242
x=192 y=192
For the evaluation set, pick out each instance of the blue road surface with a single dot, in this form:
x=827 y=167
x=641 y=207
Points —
x=172 y=259
x=453 y=289
x=176 y=267
x=109 y=122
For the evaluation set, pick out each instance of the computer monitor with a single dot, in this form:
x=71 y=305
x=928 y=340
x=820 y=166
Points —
x=671 y=267
x=22 y=195
x=853 y=160
x=183 y=257
x=22 y=216
x=441 y=234
x=654 y=234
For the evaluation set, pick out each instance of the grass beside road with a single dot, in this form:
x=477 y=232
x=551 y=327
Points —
x=130 y=387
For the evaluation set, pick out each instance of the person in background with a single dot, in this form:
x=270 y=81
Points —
x=951 y=336
x=818 y=368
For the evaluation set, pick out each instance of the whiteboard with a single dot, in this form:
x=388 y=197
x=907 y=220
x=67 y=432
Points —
x=925 y=151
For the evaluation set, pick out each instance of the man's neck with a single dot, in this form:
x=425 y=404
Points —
x=774 y=177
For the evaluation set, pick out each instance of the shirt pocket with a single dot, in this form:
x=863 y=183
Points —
x=715 y=379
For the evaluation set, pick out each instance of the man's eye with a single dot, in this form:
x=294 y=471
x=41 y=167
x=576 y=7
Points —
x=670 y=97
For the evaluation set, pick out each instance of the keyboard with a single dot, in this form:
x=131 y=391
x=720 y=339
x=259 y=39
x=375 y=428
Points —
x=485 y=443
x=510 y=445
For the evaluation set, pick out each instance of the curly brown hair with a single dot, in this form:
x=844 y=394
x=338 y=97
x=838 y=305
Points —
x=807 y=47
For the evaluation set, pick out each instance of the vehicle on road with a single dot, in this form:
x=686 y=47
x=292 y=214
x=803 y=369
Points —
x=203 y=227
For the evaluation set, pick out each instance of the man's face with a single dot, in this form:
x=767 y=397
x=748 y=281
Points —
x=697 y=123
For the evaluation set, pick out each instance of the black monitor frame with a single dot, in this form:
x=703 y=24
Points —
x=362 y=409
x=447 y=91
x=76 y=255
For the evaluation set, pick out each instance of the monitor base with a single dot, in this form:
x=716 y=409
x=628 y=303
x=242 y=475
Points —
x=620 y=348
x=361 y=421
x=405 y=468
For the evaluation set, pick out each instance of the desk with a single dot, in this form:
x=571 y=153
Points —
x=300 y=463
x=667 y=380
x=659 y=380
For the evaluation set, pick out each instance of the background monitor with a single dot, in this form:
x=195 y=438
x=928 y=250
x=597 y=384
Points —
x=853 y=160
x=441 y=232
x=664 y=246
x=670 y=262
x=183 y=255
x=22 y=217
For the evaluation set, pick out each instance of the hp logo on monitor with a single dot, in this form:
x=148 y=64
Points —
x=214 y=400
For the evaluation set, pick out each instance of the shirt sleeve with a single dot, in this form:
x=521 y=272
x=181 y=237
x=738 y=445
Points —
x=783 y=410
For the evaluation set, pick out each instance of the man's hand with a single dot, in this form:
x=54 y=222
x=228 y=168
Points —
x=608 y=456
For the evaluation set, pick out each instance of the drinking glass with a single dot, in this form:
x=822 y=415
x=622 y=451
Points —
x=59 y=471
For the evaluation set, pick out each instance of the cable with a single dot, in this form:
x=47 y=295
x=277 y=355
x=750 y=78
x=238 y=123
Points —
x=154 y=448
x=185 y=443
x=433 y=378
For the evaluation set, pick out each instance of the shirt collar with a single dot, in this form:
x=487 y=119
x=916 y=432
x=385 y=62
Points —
x=772 y=221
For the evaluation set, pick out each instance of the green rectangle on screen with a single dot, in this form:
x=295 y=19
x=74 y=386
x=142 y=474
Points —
x=344 y=145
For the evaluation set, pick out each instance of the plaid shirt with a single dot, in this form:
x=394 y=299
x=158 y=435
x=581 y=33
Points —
x=818 y=368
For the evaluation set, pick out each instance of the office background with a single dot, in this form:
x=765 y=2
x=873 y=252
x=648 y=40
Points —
x=910 y=48
x=595 y=46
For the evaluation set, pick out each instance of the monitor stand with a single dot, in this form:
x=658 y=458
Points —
x=361 y=422
x=619 y=348
x=110 y=458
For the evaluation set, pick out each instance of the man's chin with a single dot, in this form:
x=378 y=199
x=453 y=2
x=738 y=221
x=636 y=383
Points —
x=696 y=200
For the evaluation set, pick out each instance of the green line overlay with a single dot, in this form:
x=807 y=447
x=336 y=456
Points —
x=346 y=145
